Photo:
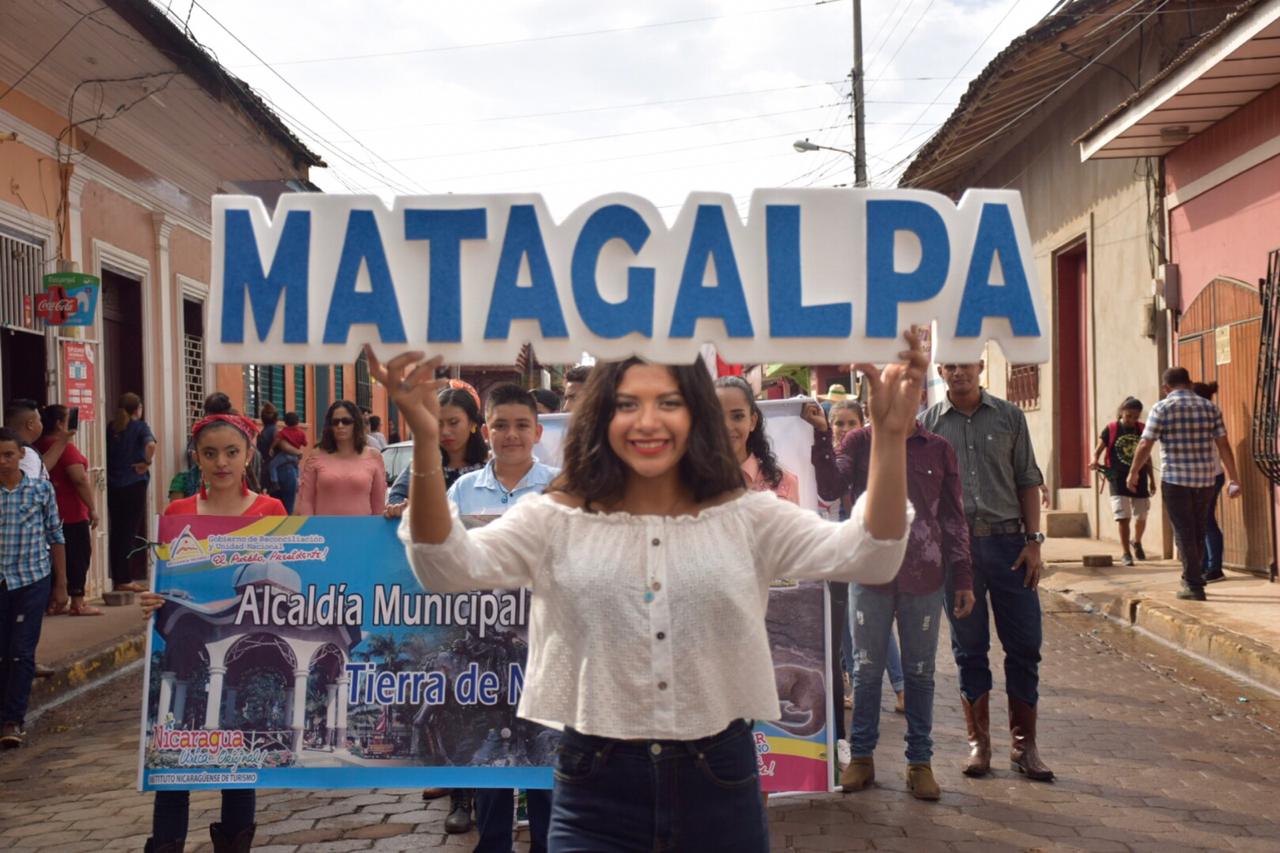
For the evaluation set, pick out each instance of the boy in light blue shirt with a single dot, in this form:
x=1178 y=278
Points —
x=511 y=427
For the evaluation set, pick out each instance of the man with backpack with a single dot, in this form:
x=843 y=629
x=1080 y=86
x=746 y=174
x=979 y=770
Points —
x=1113 y=457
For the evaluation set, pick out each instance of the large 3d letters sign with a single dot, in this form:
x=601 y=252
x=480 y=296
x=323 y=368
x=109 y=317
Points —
x=811 y=276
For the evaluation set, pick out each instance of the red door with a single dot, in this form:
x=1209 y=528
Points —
x=1070 y=367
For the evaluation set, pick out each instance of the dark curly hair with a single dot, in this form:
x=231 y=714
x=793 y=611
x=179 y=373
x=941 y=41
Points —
x=757 y=442
x=476 y=451
x=594 y=473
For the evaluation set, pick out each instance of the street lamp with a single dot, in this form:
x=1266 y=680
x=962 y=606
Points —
x=804 y=145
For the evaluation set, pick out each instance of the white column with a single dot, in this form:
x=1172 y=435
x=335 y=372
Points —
x=170 y=413
x=330 y=713
x=213 y=708
x=299 y=706
x=166 y=696
x=340 y=730
x=179 y=701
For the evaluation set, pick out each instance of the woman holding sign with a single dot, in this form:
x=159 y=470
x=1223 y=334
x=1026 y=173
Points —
x=223 y=447
x=650 y=566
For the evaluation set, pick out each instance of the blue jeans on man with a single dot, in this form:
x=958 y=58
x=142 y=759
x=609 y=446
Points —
x=874 y=612
x=21 y=616
x=1017 y=616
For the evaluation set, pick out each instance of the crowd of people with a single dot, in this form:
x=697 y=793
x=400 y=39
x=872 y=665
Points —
x=672 y=482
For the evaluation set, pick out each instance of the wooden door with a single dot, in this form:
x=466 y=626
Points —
x=1218 y=341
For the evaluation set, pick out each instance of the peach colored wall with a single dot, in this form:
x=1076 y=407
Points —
x=32 y=175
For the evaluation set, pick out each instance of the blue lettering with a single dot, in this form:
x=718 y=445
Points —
x=445 y=229
x=242 y=271
x=981 y=298
x=515 y=683
x=384 y=688
x=726 y=300
x=363 y=246
x=488 y=687
x=886 y=287
x=789 y=317
x=510 y=301
x=635 y=313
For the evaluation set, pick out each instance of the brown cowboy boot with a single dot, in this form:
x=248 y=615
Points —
x=858 y=774
x=1024 y=757
x=977 y=718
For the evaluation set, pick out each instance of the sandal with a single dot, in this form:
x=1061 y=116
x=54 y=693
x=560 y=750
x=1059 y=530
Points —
x=85 y=610
x=131 y=586
x=55 y=610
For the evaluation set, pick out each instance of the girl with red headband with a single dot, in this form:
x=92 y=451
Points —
x=224 y=447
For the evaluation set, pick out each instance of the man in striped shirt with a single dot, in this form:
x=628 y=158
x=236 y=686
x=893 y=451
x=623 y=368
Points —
x=32 y=571
x=1192 y=438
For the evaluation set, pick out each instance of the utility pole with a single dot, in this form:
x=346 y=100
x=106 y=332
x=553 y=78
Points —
x=859 y=113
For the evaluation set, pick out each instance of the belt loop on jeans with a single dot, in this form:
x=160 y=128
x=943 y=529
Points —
x=999 y=528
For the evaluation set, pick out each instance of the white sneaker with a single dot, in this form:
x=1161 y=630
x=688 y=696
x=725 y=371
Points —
x=843 y=753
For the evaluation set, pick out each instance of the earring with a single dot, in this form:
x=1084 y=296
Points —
x=204 y=495
x=473 y=429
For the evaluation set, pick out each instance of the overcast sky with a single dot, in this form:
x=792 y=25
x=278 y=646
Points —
x=574 y=99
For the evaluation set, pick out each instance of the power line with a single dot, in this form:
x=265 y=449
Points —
x=1013 y=4
x=607 y=107
x=533 y=39
x=1096 y=58
x=616 y=158
x=25 y=74
x=910 y=32
x=597 y=138
x=298 y=92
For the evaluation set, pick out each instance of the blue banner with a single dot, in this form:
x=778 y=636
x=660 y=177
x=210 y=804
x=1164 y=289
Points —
x=303 y=653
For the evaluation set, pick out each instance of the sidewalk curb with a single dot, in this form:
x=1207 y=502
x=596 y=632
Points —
x=1234 y=652
x=90 y=665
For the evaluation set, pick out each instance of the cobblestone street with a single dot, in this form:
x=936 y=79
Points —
x=1151 y=753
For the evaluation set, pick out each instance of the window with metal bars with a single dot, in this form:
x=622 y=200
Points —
x=22 y=268
x=300 y=392
x=338 y=382
x=364 y=387
x=263 y=383
x=1023 y=387
x=193 y=363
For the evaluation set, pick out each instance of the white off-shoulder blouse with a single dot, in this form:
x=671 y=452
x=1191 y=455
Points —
x=646 y=626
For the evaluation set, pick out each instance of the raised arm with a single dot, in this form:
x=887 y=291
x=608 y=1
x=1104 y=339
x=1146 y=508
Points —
x=895 y=399
x=412 y=385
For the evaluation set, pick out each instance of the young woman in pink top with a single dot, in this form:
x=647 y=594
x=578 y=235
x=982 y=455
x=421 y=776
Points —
x=745 y=423
x=344 y=475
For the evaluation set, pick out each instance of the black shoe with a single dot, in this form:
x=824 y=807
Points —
x=459 y=819
x=1214 y=577
x=1189 y=593
x=1138 y=552
x=224 y=842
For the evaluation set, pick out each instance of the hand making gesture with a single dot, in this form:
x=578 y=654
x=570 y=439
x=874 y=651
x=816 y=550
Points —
x=895 y=391
x=412 y=385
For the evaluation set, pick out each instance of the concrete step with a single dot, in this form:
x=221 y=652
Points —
x=1064 y=524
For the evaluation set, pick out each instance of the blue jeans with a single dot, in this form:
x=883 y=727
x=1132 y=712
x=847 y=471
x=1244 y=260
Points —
x=287 y=485
x=613 y=796
x=495 y=808
x=893 y=655
x=918 y=617
x=1213 y=533
x=1017 y=614
x=21 y=615
x=172 y=808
